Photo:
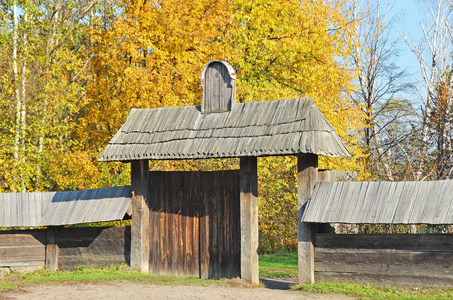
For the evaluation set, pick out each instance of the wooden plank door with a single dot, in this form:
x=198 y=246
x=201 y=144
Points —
x=194 y=224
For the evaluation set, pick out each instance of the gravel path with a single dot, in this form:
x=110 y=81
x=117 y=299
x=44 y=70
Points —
x=127 y=290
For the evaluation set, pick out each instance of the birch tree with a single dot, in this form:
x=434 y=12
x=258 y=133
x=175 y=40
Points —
x=47 y=43
x=434 y=54
x=378 y=81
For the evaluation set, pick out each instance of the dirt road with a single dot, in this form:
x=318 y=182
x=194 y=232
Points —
x=128 y=290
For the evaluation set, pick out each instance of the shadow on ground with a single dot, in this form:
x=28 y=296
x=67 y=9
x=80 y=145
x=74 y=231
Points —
x=278 y=283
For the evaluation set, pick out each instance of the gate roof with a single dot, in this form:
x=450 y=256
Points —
x=264 y=128
x=404 y=202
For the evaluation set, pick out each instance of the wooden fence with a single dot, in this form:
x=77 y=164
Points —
x=25 y=250
x=396 y=259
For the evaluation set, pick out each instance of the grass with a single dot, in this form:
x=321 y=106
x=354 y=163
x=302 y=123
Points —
x=365 y=291
x=285 y=265
x=274 y=265
x=278 y=265
x=112 y=273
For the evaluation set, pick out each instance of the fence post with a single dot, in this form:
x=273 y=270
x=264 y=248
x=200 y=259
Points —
x=52 y=249
x=140 y=215
x=307 y=174
x=249 y=219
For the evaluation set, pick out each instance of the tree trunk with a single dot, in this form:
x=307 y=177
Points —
x=16 y=82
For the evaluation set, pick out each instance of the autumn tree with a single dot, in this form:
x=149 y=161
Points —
x=379 y=82
x=288 y=50
x=434 y=55
x=153 y=53
x=440 y=122
x=38 y=151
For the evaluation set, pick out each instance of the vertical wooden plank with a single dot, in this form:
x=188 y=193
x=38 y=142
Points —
x=198 y=211
x=235 y=228
x=140 y=215
x=178 y=226
x=196 y=229
x=52 y=249
x=186 y=210
x=249 y=219
x=154 y=217
x=222 y=225
x=307 y=171
x=165 y=199
x=2 y=209
x=172 y=233
x=25 y=199
x=204 y=228
x=212 y=225
x=7 y=209
x=15 y=201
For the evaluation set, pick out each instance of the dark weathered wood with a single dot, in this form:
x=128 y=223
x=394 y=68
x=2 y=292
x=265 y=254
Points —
x=195 y=219
x=21 y=254
x=66 y=248
x=140 y=235
x=405 y=260
x=23 y=238
x=23 y=250
x=140 y=215
x=419 y=242
x=307 y=171
x=249 y=219
x=52 y=249
x=94 y=247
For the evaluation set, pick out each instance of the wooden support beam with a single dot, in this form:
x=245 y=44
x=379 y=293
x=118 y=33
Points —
x=249 y=219
x=140 y=215
x=52 y=249
x=307 y=174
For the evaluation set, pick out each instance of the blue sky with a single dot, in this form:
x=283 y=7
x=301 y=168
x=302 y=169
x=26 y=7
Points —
x=408 y=14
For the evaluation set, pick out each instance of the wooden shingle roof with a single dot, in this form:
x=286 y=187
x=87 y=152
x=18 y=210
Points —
x=265 y=128
x=405 y=202
x=87 y=206
x=64 y=208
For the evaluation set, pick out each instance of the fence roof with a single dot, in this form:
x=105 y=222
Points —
x=264 y=128
x=405 y=202
x=64 y=208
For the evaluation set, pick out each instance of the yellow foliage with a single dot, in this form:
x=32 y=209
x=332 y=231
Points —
x=152 y=55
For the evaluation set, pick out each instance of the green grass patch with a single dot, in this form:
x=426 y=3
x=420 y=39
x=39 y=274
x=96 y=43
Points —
x=275 y=265
x=112 y=273
x=365 y=291
x=278 y=265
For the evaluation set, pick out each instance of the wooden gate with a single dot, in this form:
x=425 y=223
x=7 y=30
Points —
x=195 y=224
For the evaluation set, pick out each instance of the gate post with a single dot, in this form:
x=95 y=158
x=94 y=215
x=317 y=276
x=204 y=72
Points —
x=140 y=215
x=52 y=249
x=307 y=176
x=249 y=219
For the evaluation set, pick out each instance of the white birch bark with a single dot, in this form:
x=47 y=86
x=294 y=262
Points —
x=23 y=117
x=16 y=82
x=433 y=53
